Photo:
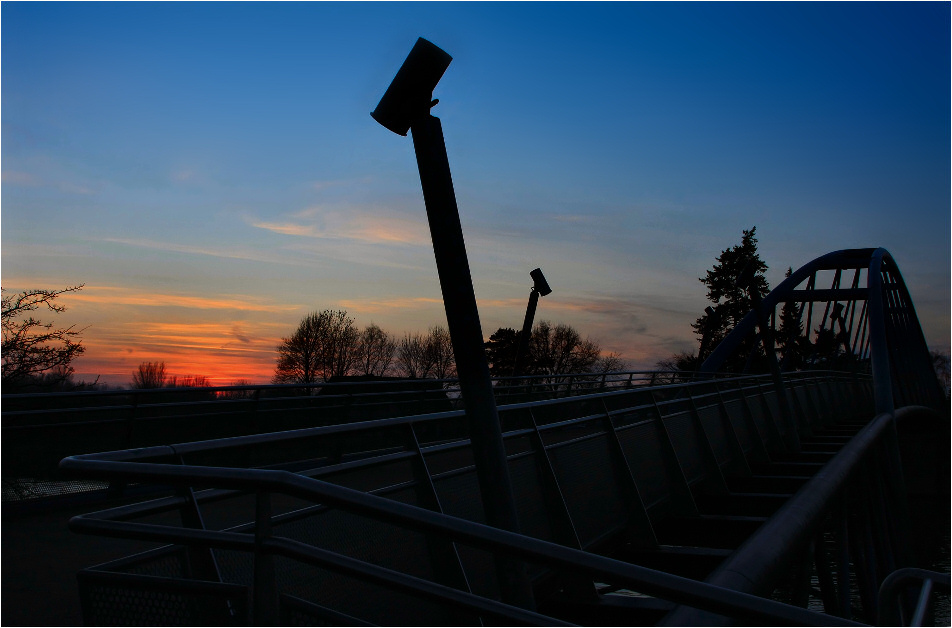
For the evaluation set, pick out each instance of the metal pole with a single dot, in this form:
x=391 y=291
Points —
x=523 y=348
x=405 y=106
x=462 y=316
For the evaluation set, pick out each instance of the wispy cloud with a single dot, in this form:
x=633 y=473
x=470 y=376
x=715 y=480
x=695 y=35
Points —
x=202 y=250
x=28 y=179
x=117 y=295
x=13 y=177
x=325 y=185
x=355 y=224
x=376 y=306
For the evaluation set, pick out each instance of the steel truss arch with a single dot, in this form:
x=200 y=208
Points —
x=878 y=328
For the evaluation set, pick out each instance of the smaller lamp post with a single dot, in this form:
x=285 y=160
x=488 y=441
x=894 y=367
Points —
x=540 y=287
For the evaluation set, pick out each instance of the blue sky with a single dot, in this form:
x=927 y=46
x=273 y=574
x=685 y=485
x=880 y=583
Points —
x=211 y=171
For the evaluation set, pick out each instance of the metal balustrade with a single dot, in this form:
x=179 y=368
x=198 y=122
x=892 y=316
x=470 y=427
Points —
x=42 y=428
x=623 y=476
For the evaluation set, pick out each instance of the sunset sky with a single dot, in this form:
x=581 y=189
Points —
x=211 y=172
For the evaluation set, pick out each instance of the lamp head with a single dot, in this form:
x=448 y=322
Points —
x=411 y=92
x=540 y=285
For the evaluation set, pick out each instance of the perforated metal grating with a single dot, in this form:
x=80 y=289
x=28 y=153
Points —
x=118 y=606
x=114 y=599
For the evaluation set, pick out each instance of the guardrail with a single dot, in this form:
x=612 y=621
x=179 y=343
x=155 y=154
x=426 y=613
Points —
x=40 y=429
x=390 y=508
x=893 y=610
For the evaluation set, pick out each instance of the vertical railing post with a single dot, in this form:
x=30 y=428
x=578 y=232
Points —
x=792 y=437
x=843 y=545
x=265 y=589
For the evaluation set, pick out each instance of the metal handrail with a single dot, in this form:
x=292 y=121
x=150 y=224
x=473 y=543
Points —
x=649 y=581
x=327 y=430
x=756 y=565
x=135 y=465
x=891 y=610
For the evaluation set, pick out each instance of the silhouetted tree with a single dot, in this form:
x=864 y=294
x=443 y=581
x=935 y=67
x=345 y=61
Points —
x=440 y=346
x=188 y=381
x=672 y=370
x=149 y=375
x=427 y=355
x=940 y=362
x=35 y=352
x=323 y=346
x=501 y=351
x=731 y=295
x=552 y=350
x=611 y=362
x=791 y=342
x=413 y=358
x=375 y=351
x=560 y=349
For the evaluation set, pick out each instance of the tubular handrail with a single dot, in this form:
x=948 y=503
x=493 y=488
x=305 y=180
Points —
x=327 y=430
x=890 y=609
x=756 y=565
x=418 y=385
x=649 y=581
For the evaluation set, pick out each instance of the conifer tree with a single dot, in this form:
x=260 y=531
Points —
x=791 y=342
x=731 y=298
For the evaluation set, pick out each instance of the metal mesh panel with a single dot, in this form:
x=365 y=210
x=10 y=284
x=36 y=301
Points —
x=818 y=403
x=449 y=459
x=363 y=538
x=710 y=418
x=236 y=567
x=629 y=416
x=358 y=598
x=687 y=445
x=805 y=404
x=374 y=477
x=111 y=599
x=773 y=405
x=591 y=492
x=20 y=489
x=759 y=413
x=297 y=612
x=527 y=490
x=736 y=414
x=642 y=446
x=459 y=496
x=167 y=564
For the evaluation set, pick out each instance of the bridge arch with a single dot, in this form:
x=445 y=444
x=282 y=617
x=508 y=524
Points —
x=869 y=302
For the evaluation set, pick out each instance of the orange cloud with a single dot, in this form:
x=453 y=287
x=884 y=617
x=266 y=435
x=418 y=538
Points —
x=117 y=295
x=357 y=224
x=222 y=351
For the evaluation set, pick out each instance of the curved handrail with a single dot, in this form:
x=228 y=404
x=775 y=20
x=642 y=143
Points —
x=652 y=582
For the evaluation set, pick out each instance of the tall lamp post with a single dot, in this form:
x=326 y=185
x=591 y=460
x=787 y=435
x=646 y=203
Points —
x=405 y=106
x=540 y=288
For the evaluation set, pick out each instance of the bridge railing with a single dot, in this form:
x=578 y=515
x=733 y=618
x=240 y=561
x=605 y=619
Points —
x=369 y=521
x=40 y=429
x=841 y=535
